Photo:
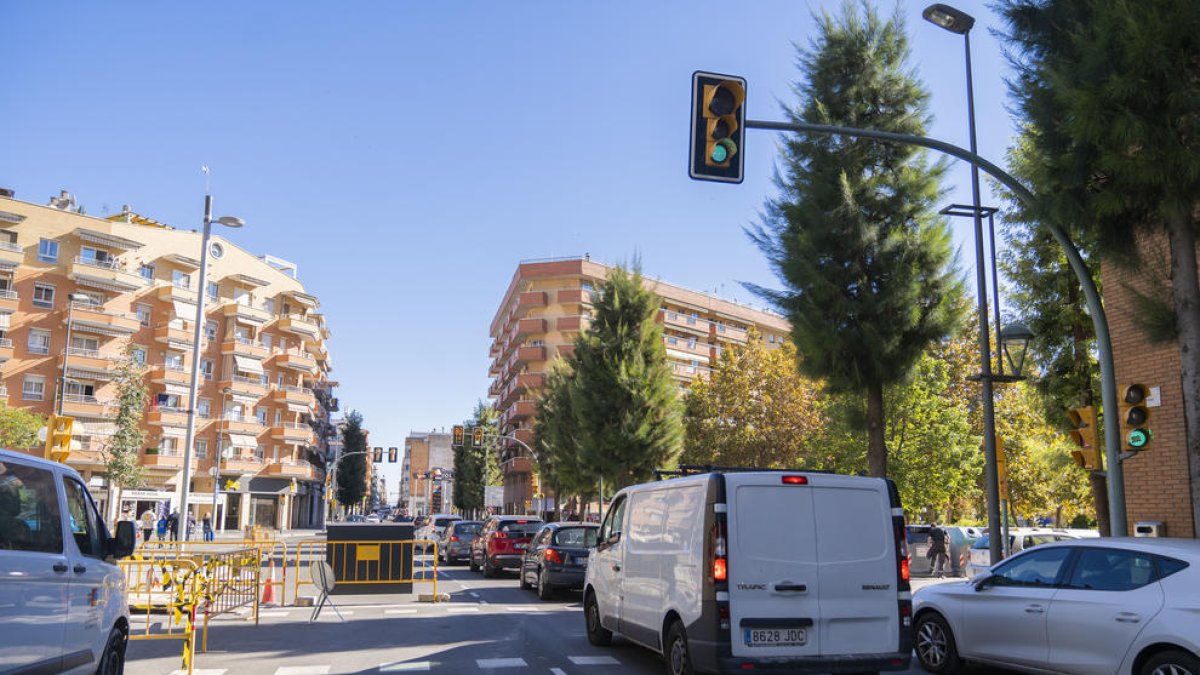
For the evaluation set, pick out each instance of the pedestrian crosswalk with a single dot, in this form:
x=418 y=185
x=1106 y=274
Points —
x=587 y=663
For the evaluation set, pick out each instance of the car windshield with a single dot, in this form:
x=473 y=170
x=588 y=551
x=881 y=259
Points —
x=442 y=522
x=467 y=528
x=983 y=542
x=584 y=537
x=521 y=527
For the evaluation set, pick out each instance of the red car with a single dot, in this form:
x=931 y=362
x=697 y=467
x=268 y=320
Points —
x=501 y=543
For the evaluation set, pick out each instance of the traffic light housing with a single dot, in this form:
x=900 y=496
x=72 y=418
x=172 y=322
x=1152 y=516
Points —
x=718 y=127
x=437 y=500
x=378 y=455
x=458 y=434
x=1135 y=418
x=60 y=431
x=393 y=455
x=1086 y=437
x=477 y=436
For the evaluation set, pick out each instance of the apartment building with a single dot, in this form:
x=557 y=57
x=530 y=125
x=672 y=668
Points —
x=77 y=292
x=545 y=307
x=426 y=456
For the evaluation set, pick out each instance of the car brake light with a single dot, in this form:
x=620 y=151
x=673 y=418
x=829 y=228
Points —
x=454 y=537
x=795 y=480
x=720 y=564
x=501 y=535
x=553 y=556
x=720 y=572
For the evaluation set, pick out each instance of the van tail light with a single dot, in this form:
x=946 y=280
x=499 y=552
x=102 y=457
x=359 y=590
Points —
x=723 y=615
x=553 y=556
x=795 y=480
x=905 y=572
x=720 y=567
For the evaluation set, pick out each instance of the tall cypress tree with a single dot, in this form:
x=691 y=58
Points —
x=627 y=412
x=866 y=263
x=352 y=471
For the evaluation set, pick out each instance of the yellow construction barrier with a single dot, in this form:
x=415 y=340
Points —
x=170 y=586
x=365 y=562
x=274 y=554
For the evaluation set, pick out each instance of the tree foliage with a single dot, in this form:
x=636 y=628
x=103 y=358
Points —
x=476 y=466
x=865 y=260
x=556 y=434
x=352 y=469
x=754 y=409
x=120 y=454
x=19 y=428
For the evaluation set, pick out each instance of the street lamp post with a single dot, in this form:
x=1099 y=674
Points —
x=220 y=455
x=62 y=380
x=190 y=438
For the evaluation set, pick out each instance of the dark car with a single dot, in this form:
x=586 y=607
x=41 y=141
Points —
x=455 y=544
x=557 y=557
x=501 y=543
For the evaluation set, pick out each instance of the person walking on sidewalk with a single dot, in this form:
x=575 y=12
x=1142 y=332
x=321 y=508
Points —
x=938 y=555
x=208 y=531
x=149 y=520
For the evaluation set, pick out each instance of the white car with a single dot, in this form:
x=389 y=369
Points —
x=63 y=607
x=1019 y=539
x=755 y=570
x=1083 y=606
x=432 y=530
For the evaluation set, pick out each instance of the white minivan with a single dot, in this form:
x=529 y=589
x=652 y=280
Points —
x=727 y=571
x=63 y=607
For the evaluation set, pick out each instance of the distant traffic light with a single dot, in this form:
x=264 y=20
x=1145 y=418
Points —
x=718 y=126
x=393 y=455
x=477 y=436
x=1085 y=436
x=1135 y=418
x=437 y=500
x=378 y=455
x=59 y=433
x=458 y=434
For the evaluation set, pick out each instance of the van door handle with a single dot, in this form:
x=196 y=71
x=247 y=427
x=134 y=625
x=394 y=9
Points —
x=795 y=588
x=60 y=567
x=1128 y=617
x=1035 y=609
x=80 y=569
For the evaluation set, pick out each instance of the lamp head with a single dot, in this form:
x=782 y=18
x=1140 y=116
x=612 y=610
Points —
x=231 y=221
x=945 y=16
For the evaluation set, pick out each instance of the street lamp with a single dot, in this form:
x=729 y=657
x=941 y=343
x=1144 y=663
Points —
x=1014 y=339
x=190 y=438
x=959 y=22
x=62 y=379
x=220 y=454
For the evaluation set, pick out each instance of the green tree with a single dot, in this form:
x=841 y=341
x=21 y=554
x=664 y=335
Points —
x=476 y=466
x=19 y=428
x=120 y=454
x=1111 y=90
x=754 y=409
x=626 y=409
x=352 y=470
x=866 y=261
x=556 y=434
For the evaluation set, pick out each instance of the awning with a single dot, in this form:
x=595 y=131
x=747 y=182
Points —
x=297 y=408
x=244 y=399
x=304 y=299
x=177 y=389
x=247 y=364
x=106 y=239
x=94 y=329
x=185 y=310
x=174 y=432
x=247 y=280
x=243 y=441
x=94 y=428
x=182 y=260
x=8 y=265
x=686 y=356
x=103 y=285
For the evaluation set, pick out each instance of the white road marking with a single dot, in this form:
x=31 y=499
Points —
x=501 y=663
x=274 y=615
x=558 y=671
x=202 y=671
x=302 y=670
x=458 y=610
x=410 y=667
x=594 y=660
x=400 y=611
x=524 y=608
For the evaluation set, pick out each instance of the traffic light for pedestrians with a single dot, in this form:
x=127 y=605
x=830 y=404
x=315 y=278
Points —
x=378 y=455
x=393 y=455
x=1135 y=417
x=1085 y=437
x=59 y=432
x=458 y=434
x=718 y=127
x=477 y=436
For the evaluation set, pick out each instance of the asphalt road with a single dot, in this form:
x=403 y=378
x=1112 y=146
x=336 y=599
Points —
x=490 y=626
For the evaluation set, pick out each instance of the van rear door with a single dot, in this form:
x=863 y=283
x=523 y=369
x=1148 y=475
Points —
x=812 y=565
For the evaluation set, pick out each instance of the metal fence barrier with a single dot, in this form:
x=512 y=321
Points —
x=366 y=562
x=165 y=585
x=274 y=554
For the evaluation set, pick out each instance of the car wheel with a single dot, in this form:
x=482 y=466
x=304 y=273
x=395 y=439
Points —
x=597 y=634
x=544 y=589
x=489 y=572
x=525 y=585
x=935 y=645
x=679 y=661
x=112 y=662
x=1172 y=662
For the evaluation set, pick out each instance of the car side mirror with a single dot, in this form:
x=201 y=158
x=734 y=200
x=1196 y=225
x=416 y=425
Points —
x=984 y=582
x=125 y=541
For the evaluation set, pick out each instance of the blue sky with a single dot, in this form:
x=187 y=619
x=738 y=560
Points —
x=408 y=155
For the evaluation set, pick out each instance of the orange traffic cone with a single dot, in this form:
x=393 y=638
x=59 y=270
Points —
x=268 y=596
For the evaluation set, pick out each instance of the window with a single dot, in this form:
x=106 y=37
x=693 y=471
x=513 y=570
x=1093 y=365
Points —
x=173 y=360
x=1040 y=567
x=691 y=343
x=35 y=497
x=612 y=522
x=266 y=340
x=181 y=279
x=168 y=401
x=1099 y=569
x=264 y=378
x=260 y=452
x=204 y=407
x=213 y=290
x=206 y=367
x=143 y=314
x=168 y=445
x=692 y=318
x=243 y=297
x=139 y=355
x=261 y=414
x=85 y=521
x=38 y=341
x=33 y=388
x=89 y=298
x=278 y=417
x=48 y=250
x=201 y=448
x=84 y=343
x=96 y=256
x=146 y=270
x=269 y=305
x=672 y=341
x=43 y=295
x=210 y=330
x=216 y=250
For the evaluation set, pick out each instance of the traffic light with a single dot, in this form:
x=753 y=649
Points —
x=1085 y=436
x=437 y=500
x=393 y=455
x=458 y=434
x=477 y=436
x=59 y=433
x=1135 y=417
x=1002 y=468
x=718 y=126
x=378 y=455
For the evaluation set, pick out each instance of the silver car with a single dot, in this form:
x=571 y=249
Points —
x=455 y=544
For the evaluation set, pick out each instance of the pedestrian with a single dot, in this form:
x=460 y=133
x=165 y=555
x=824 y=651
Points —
x=208 y=530
x=148 y=523
x=937 y=555
x=173 y=525
x=162 y=528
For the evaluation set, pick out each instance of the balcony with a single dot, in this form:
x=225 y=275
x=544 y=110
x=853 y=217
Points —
x=6 y=349
x=244 y=346
x=522 y=410
x=81 y=405
x=8 y=300
x=110 y=273
x=178 y=335
x=170 y=373
x=528 y=381
x=237 y=424
x=291 y=468
x=524 y=435
x=242 y=464
x=293 y=432
x=685 y=322
x=574 y=296
x=300 y=325
x=295 y=359
x=11 y=253
x=163 y=460
x=570 y=323
x=246 y=313
x=531 y=354
x=530 y=326
x=173 y=293
x=86 y=317
x=531 y=299
x=87 y=360
x=293 y=395
x=246 y=386
x=160 y=416
x=722 y=331
x=566 y=350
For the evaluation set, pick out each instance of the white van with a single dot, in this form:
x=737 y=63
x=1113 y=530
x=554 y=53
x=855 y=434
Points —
x=63 y=607
x=727 y=571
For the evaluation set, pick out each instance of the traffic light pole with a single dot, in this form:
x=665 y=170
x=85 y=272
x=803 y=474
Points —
x=1108 y=382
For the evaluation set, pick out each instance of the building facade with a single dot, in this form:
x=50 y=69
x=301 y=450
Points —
x=426 y=477
x=78 y=293
x=545 y=307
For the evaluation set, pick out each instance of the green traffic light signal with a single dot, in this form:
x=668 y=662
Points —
x=1138 y=438
x=718 y=122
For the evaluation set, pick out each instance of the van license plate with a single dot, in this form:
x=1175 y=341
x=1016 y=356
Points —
x=776 y=637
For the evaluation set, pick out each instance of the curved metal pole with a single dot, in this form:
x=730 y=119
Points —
x=1104 y=357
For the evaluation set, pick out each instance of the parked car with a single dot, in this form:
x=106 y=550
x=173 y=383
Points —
x=1079 y=606
x=431 y=528
x=1019 y=539
x=501 y=543
x=557 y=557
x=64 y=607
x=373 y=518
x=455 y=545
x=771 y=570
x=958 y=546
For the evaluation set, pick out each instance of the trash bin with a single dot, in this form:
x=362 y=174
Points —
x=1150 y=528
